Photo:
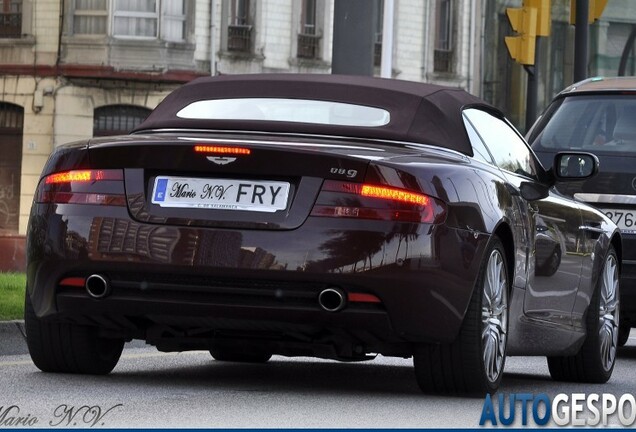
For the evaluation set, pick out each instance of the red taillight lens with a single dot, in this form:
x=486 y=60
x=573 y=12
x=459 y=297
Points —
x=77 y=282
x=83 y=176
x=99 y=187
x=394 y=194
x=379 y=202
x=81 y=198
x=224 y=150
x=363 y=298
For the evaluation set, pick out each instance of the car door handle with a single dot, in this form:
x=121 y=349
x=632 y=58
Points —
x=591 y=229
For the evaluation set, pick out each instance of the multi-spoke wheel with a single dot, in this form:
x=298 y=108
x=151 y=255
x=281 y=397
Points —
x=609 y=313
x=494 y=316
x=474 y=363
x=595 y=360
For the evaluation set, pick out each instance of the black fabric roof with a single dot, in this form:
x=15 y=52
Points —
x=420 y=113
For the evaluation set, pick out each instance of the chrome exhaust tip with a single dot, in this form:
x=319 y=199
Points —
x=332 y=299
x=97 y=286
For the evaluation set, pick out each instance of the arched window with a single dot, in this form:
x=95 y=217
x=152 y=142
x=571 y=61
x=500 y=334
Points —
x=117 y=119
x=11 y=121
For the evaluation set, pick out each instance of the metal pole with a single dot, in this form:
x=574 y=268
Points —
x=532 y=91
x=353 y=37
x=386 y=65
x=581 y=34
x=471 y=49
x=531 y=97
x=212 y=40
x=627 y=49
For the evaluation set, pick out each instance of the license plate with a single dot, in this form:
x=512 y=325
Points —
x=222 y=194
x=625 y=220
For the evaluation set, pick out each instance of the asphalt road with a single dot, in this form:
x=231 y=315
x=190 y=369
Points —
x=152 y=389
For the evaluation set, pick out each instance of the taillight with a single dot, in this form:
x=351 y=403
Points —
x=393 y=194
x=100 y=187
x=222 y=150
x=379 y=202
x=83 y=176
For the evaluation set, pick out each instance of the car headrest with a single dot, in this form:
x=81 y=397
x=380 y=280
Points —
x=625 y=128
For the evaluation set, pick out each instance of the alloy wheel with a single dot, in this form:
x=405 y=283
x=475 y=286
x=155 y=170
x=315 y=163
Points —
x=609 y=313
x=494 y=316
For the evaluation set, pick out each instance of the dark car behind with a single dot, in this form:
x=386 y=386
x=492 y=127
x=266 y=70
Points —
x=599 y=116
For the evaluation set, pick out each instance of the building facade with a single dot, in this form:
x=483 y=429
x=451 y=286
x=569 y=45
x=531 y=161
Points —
x=504 y=81
x=73 y=69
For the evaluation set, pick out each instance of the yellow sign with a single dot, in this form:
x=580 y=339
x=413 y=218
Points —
x=544 y=18
x=523 y=21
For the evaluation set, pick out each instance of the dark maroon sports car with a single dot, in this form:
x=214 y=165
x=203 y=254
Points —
x=328 y=216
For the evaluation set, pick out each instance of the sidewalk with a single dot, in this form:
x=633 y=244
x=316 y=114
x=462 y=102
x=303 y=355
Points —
x=12 y=339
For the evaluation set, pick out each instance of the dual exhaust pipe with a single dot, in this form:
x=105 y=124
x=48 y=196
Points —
x=330 y=299
x=97 y=286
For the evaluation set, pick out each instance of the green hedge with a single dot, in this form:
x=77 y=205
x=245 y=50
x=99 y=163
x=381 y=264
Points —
x=12 y=287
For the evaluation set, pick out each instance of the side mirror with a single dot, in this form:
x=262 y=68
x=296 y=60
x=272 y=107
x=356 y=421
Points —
x=573 y=166
x=532 y=191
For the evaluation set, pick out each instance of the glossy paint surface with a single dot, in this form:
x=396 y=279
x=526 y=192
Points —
x=606 y=129
x=257 y=277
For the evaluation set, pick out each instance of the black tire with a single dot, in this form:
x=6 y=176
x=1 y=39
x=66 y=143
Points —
x=588 y=365
x=459 y=367
x=223 y=354
x=69 y=348
x=623 y=333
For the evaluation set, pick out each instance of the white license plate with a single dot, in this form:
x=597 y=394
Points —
x=222 y=194
x=625 y=220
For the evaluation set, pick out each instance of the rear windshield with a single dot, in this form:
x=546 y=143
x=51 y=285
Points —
x=591 y=123
x=286 y=110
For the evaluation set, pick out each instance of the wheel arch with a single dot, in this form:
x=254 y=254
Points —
x=617 y=242
x=504 y=232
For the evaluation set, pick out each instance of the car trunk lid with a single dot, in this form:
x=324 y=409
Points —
x=229 y=182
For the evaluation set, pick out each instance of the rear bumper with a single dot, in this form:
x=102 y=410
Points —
x=195 y=279
x=181 y=317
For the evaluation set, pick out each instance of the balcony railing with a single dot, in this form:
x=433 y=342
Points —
x=443 y=61
x=308 y=46
x=10 y=25
x=239 y=38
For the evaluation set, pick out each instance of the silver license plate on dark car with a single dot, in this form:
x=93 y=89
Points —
x=222 y=194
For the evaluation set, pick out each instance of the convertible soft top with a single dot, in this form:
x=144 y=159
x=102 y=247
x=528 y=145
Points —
x=419 y=112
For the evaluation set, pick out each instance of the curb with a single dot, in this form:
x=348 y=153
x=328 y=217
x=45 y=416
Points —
x=13 y=326
x=13 y=338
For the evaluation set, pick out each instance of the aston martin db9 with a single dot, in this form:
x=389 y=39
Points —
x=329 y=216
